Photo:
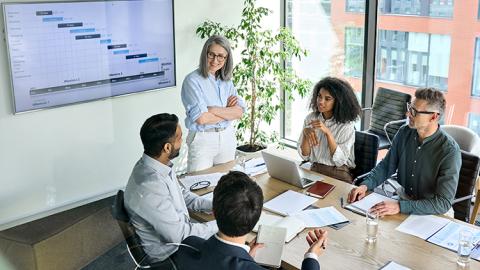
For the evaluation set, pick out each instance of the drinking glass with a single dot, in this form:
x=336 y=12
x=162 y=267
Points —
x=464 y=247
x=372 y=227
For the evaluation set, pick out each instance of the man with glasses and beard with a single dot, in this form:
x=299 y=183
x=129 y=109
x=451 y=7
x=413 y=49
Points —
x=156 y=203
x=426 y=159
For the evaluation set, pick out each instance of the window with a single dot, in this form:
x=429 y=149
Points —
x=335 y=49
x=476 y=69
x=410 y=52
x=430 y=8
x=474 y=122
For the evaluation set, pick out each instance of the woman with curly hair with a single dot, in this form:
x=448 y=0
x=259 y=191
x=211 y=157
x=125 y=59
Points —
x=328 y=135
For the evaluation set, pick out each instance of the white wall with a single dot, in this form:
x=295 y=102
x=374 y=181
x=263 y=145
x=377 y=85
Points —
x=56 y=159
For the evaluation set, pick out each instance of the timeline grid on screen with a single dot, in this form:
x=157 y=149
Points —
x=68 y=52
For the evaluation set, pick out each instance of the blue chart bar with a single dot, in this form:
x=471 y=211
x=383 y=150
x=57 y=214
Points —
x=121 y=52
x=84 y=30
x=52 y=19
x=105 y=41
x=148 y=60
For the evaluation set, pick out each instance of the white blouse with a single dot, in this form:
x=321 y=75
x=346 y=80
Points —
x=344 y=135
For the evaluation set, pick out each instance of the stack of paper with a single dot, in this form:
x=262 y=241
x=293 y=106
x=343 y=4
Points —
x=448 y=236
x=422 y=226
x=313 y=218
x=289 y=203
x=364 y=205
x=254 y=166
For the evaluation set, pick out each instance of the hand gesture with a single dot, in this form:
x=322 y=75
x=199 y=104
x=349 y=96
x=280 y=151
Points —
x=232 y=101
x=254 y=246
x=317 y=124
x=357 y=193
x=317 y=239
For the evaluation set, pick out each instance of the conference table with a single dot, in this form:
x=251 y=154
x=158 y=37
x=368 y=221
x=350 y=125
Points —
x=347 y=248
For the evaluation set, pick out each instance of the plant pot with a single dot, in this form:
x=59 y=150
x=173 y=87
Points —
x=249 y=152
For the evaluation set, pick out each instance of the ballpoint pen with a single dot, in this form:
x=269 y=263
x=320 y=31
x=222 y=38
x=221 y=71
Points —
x=341 y=202
x=260 y=164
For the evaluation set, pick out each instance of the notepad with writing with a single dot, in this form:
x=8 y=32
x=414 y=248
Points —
x=320 y=189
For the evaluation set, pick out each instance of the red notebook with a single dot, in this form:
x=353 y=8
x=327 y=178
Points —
x=320 y=189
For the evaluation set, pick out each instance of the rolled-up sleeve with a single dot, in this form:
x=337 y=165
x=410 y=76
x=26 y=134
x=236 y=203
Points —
x=240 y=100
x=345 y=141
x=193 y=99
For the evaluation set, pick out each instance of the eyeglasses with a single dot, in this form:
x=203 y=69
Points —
x=199 y=185
x=414 y=111
x=220 y=57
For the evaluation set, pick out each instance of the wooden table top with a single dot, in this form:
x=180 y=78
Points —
x=347 y=248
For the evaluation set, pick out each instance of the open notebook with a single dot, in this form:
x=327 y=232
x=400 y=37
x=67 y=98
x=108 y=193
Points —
x=362 y=206
x=313 y=218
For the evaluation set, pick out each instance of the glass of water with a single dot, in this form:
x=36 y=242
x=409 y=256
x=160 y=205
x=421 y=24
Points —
x=372 y=227
x=240 y=162
x=464 y=247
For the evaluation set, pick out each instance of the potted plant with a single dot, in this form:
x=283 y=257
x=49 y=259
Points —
x=261 y=72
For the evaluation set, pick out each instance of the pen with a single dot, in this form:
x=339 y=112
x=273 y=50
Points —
x=341 y=201
x=260 y=164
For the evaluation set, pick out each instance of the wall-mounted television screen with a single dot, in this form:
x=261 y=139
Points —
x=69 y=52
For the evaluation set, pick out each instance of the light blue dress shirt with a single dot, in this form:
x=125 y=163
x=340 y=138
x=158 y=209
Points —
x=199 y=93
x=157 y=205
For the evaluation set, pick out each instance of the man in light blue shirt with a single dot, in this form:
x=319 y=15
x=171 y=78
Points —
x=155 y=201
x=211 y=104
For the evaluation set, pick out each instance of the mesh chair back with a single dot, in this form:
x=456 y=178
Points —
x=366 y=152
x=389 y=105
x=466 y=184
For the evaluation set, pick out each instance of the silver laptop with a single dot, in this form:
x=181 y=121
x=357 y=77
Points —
x=288 y=171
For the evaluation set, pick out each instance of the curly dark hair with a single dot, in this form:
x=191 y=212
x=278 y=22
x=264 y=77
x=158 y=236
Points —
x=346 y=107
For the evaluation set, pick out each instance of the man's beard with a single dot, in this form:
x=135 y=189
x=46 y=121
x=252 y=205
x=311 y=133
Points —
x=174 y=154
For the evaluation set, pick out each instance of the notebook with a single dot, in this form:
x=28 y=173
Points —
x=289 y=203
x=320 y=189
x=362 y=206
x=273 y=239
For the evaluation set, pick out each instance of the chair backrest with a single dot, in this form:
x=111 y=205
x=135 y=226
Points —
x=366 y=152
x=466 y=184
x=131 y=238
x=389 y=105
x=465 y=137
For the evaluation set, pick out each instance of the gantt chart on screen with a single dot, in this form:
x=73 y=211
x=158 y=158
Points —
x=63 y=53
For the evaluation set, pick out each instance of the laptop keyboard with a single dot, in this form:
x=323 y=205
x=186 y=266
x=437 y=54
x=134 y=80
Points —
x=306 y=181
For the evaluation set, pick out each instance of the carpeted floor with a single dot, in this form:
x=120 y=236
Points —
x=116 y=258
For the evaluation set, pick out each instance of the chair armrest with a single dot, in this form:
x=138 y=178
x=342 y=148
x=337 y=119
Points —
x=391 y=123
x=461 y=199
x=360 y=177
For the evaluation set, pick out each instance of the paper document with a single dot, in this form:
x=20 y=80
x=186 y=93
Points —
x=292 y=224
x=273 y=239
x=367 y=202
x=321 y=217
x=448 y=236
x=254 y=166
x=190 y=180
x=289 y=203
x=306 y=165
x=394 y=266
x=422 y=226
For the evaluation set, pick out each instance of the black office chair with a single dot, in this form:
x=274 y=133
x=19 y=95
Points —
x=134 y=245
x=388 y=115
x=466 y=183
x=366 y=152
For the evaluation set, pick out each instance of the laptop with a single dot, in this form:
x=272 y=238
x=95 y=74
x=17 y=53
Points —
x=288 y=171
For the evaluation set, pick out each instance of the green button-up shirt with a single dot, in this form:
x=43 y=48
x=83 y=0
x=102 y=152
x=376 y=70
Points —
x=428 y=171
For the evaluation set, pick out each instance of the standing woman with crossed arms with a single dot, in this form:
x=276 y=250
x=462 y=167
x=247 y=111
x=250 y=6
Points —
x=328 y=134
x=211 y=104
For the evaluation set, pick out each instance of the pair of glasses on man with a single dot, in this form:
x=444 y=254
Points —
x=414 y=112
x=220 y=57
x=199 y=185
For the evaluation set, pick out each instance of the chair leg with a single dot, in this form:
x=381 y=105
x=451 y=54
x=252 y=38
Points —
x=476 y=206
